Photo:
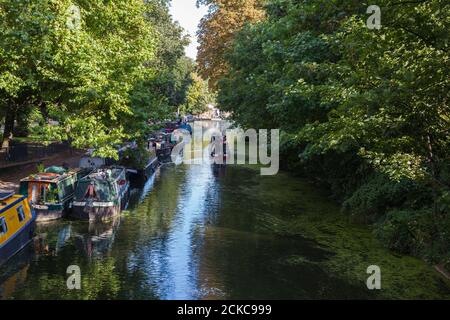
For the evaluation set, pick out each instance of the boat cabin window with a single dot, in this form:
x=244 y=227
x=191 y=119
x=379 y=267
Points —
x=98 y=190
x=20 y=213
x=3 y=226
x=67 y=186
x=39 y=192
x=34 y=193
x=43 y=192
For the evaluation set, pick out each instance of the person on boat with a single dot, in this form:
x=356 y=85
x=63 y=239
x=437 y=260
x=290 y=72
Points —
x=215 y=140
x=90 y=192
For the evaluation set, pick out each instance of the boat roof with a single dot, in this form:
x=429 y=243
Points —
x=10 y=201
x=108 y=173
x=159 y=135
x=5 y=194
x=48 y=177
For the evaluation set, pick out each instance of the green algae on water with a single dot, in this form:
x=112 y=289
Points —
x=352 y=247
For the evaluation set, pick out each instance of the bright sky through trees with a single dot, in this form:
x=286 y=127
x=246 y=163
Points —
x=188 y=15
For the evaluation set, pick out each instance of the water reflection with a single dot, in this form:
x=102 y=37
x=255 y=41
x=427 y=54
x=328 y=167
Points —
x=98 y=239
x=90 y=239
x=138 y=195
x=183 y=240
x=15 y=272
x=192 y=232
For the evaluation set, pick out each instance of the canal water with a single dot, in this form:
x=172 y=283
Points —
x=209 y=232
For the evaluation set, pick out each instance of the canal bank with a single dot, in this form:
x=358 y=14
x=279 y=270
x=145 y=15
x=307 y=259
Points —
x=207 y=232
x=11 y=176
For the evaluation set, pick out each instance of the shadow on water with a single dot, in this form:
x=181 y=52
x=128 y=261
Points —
x=208 y=232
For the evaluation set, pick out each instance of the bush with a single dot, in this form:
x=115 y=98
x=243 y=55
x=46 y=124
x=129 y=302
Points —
x=379 y=194
x=418 y=232
x=401 y=230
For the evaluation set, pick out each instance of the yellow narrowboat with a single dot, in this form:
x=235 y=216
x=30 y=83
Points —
x=16 y=224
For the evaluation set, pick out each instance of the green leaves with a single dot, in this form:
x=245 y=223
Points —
x=354 y=103
x=197 y=97
x=94 y=77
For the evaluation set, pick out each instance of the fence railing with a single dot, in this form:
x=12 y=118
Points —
x=23 y=152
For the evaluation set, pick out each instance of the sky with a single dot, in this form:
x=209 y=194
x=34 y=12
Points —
x=188 y=15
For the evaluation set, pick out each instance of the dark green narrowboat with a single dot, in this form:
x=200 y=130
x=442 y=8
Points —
x=51 y=192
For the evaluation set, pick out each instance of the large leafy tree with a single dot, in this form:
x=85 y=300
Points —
x=92 y=65
x=172 y=38
x=160 y=94
x=32 y=40
x=364 y=111
x=197 y=97
x=76 y=61
x=217 y=30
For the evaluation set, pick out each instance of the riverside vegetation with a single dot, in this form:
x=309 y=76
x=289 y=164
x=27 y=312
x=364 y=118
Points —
x=363 y=112
x=102 y=70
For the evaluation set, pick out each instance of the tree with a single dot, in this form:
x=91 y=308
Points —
x=159 y=95
x=216 y=33
x=29 y=44
x=363 y=111
x=172 y=38
x=91 y=65
x=198 y=96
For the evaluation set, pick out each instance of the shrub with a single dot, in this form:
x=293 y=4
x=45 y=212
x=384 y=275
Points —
x=418 y=232
x=379 y=194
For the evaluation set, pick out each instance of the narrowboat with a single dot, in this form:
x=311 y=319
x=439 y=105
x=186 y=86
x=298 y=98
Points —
x=51 y=192
x=141 y=163
x=171 y=127
x=163 y=145
x=101 y=195
x=16 y=224
x=186 y=126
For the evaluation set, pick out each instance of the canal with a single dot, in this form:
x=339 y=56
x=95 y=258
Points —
x=207 y=232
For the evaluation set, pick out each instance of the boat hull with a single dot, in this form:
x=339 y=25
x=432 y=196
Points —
x=19 y=241
x=105 y=206
x=95 y=213
x=49 y=213
x=45 y=215
x=164 y=154
x=138 y=177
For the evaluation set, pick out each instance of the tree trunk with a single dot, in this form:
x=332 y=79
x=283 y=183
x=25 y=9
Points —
x=22 y=128
x=10 y=117
x=44 y=111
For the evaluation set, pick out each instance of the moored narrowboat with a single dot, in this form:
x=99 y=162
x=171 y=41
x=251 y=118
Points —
x=16 y=224
x=101 y=195
x=141 y=163
x=163 y=144
x=51 y=192
x=171 y=126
